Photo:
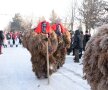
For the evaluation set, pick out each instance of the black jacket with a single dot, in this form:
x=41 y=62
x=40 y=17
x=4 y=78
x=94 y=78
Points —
x=1 y=37
x=86 y=39
x=77 y=40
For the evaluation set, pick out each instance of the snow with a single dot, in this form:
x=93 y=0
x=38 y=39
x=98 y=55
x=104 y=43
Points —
x=16 y=73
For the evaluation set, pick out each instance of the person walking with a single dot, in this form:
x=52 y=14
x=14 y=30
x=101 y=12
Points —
x=1 y=40
x=86 y=39
x=77 y=45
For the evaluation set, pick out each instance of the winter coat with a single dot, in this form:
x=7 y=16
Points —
x=82 y=39
x=77 y=40
x=1 y=37
x=13 y=36
x=8 y=36
x=86 y=39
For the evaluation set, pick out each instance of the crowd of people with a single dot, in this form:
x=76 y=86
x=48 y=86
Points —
x=78 y=43
x=78 y=39
x=9 y=39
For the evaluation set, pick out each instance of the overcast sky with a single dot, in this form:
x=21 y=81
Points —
x=34 y=8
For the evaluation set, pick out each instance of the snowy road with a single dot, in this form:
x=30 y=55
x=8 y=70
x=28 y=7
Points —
x=16 y=73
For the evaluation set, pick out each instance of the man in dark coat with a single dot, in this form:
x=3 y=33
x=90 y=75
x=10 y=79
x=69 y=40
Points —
x=86 y=39
x=1 y=41
x=77 y=44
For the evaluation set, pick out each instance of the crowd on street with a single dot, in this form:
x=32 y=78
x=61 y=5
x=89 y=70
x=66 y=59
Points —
x=78 y=41
x=78 y=44
x=10 y=39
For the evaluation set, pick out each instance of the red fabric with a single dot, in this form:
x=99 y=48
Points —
x=14 y=36
x=17 y=34
x=39 y=28
x=62 y=27
x=66 y=29
x=53 y=27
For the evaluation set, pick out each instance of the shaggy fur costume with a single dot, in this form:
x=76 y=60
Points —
x=96 y=60
x=36 y=44
x=63 y=43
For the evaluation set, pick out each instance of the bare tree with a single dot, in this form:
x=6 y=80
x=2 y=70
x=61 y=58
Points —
x=53 y=17
x=72 y=15
x=74 y=9
x=92 y=12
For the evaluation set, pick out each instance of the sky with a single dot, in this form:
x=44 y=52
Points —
x=32 y=8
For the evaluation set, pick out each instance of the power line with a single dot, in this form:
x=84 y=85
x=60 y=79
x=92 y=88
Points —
x=3 y=14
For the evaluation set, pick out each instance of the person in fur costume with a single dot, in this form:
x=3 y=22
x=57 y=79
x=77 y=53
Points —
x=36 y=40
x=96 y=60
x=64 y=40
x=36 y=43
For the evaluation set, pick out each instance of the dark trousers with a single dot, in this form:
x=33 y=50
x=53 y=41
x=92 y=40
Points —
x=76 y=55
x=73 y=50
x=80 y=52
x=13 y=41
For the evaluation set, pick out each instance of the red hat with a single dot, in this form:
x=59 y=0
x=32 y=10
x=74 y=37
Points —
x=54 y=27
x=39 y=27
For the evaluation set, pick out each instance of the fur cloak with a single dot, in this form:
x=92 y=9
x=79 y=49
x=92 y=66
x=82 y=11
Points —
x=57 y=46
x=96 y=60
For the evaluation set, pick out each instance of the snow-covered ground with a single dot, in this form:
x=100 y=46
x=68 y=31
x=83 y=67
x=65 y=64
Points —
x=16 y=73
